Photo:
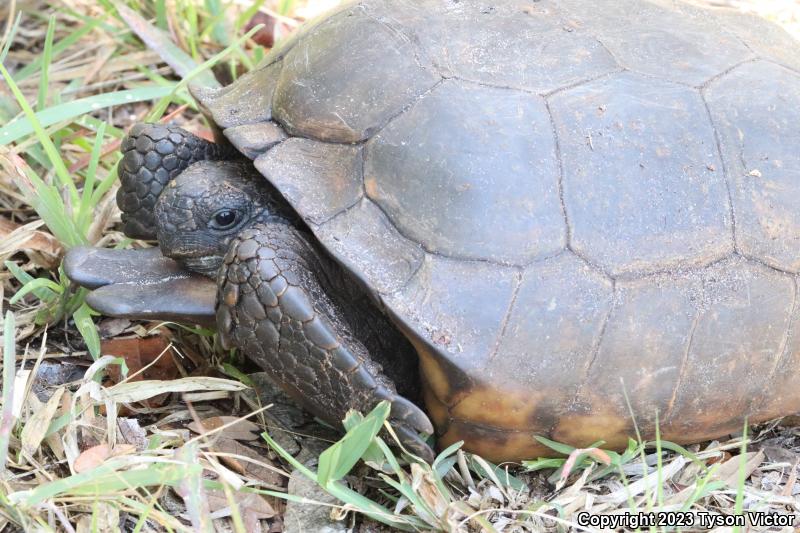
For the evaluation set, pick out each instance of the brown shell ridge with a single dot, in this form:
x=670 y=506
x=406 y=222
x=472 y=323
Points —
x=757 y=55
x=699 y=86
x=458 y=256
x=410 y=104
x=667 y=417
x=560 y=177
x=340 y=212
x=544 y=94
x=588 y=261
x=408 y=33
x=506 y=318
x=778 y=63
x=725 y=172
x=757 y=403
x=728 y=70
x=635 y=276
x=595 y=352
x=373 y=132
x=762 y=262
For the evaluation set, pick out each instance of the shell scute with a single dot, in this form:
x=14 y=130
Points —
x=756 y=111
x=487 y=189
x=349 y=77
x=656 y=39
x=318 y=179
x=644 y=187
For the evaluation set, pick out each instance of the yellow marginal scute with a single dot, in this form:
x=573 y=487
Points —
x=436 y=409
x=582 y=430
x=509 y=409
x=434 y=375
x=494 y=445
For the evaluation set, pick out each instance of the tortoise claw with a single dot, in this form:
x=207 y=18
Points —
x=412 y=442
x=406 y=412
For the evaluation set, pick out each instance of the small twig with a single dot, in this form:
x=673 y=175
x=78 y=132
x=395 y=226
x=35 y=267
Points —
x=9 y=20
x=789 y=488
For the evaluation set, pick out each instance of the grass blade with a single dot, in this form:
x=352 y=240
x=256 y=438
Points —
x=107 y=479
x=46 y=201
x=47 y=143
x=160 y=42
x=86 y=206
x=47 y=58
x=738 y=507
x=85 y=324
x=20 y=128
x=59 y=47
x=23 y=277
x=341 y=457
x=9 y=365
x=36 y=285
x=162 y=105
x=10 y=38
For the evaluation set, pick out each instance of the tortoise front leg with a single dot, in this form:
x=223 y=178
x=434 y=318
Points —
x=272 y=306
x=152 y=155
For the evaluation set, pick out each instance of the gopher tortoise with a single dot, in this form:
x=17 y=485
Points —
x=552 y=217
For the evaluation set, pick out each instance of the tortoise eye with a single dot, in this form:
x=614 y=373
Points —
x=225 y=219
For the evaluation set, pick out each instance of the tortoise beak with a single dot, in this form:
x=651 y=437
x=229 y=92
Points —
x=142 y=284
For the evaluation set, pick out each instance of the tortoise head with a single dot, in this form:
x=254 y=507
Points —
x=194 y=217
x=199 y=212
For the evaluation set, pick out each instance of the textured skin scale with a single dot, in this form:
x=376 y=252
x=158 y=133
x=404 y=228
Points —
x=152 y=155
x=644 y=209
x=271 y=304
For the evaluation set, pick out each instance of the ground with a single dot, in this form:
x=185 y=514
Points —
x=110 y=424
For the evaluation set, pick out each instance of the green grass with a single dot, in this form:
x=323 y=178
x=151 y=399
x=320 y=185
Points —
x=68 y=204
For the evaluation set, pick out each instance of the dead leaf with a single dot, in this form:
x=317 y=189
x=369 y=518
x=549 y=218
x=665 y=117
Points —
x=260 y=468
x=728 y=472
x=240 y=429
x=648 y=482
x=111 y=327
x=132 y=433
x=790 y=483
x=36 y=427
x=196 y=397
x=252 y=507
x=20 y=386
x=92 y=458
x=39 y=246
x=779 y=454
x=272 y=31
x=130 y=392
x=425 y=486
x=152 y=352
x=140 y=352
x=721 y=458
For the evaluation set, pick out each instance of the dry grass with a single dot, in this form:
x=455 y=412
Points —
x=85 y=447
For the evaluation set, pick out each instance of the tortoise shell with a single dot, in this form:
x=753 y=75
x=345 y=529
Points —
x=576 y=210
